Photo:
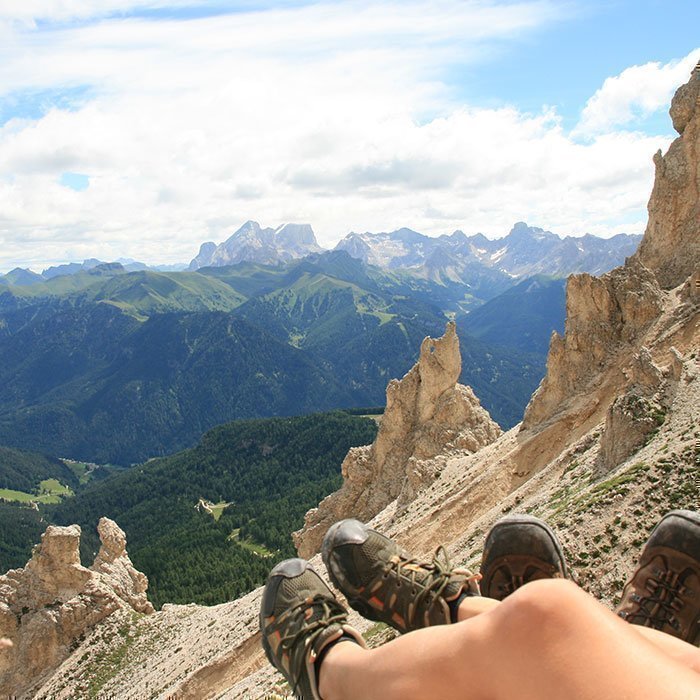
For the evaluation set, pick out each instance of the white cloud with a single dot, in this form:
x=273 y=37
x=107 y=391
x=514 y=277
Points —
x=28 y=11
x=635 y=93
x=332 y=114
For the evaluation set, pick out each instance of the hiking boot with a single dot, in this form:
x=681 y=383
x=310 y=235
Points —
x=519 y=549
x=384 y=584
x=299 y=618
x=664 y=591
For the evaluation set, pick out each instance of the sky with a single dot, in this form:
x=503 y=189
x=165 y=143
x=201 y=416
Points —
x=142 y=128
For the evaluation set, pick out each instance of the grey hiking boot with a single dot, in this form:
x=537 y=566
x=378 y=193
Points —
x=299 y=618
x=383 y=583
x=519 y=549
x=664 y=591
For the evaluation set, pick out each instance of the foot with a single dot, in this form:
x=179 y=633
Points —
x=383 y=583
x=519 y=549
x=299 y=619
x=664 y=591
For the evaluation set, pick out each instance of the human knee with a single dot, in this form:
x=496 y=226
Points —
x=545 y=607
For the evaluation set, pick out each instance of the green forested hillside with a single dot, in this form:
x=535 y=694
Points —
x=21 y=527
x=269 y=472
x=522 y=318
x=24 y=471
x=89 y=382
x=109 y=366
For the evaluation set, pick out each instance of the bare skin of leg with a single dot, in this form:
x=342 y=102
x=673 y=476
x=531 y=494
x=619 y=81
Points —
x=687 y=654
x=549 y=639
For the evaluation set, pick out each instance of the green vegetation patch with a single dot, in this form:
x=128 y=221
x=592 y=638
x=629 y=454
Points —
x=256 y=548
x=49 y=491
x=19 y=496
x=218 y=508
x=105 y=665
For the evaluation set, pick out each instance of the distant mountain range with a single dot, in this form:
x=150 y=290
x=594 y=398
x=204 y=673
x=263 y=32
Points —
x=23 y=277
x=453 y=258
x=524 y=252
x=117 y=362
x=115 y=366
x=483 y=265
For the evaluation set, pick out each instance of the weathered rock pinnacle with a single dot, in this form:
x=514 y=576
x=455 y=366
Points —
x=671 y=245
x=427 y=414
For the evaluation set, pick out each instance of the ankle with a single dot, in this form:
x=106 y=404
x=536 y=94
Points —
x=333 y=669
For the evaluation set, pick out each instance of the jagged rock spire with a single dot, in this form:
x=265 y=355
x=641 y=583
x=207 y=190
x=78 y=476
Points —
x=427 y=414
x=671 y=245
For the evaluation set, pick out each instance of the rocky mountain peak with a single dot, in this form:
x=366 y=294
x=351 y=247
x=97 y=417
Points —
x=427 y=415
x=253 y=243
x=297 y=234
x=608 y=317
x=203 y=258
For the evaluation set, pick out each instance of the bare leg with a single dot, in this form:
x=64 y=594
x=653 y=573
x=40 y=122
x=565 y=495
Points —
x=548 y=639
x=675 y=648
x=475 y=605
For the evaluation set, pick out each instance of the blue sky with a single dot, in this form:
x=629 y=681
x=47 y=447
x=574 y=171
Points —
x=141 y=128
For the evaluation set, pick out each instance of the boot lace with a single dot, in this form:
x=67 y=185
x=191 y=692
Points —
x=305 y=627
x=664 y=600
x=427 y=580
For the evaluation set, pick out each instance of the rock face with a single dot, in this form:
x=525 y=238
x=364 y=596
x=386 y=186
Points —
x=610 y=313
x=635 y=414
x=671 y=245
x=427 y=414
x=50 y=604
x=602 y=315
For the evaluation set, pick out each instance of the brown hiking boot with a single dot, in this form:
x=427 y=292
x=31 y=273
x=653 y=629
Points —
x=382 y=582
x=664 y=592
x=519 y=549
x=300 y=619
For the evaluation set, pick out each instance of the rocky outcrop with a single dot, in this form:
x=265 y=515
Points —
x=49 y=605
x=671 y=244
x=614 y=311
x=113 y=564
x=427 y=414
x=602 y=314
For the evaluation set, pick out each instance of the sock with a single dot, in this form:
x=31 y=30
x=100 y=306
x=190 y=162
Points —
x=328 y=647
x=453 y=605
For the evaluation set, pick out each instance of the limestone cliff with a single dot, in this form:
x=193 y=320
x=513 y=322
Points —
x=427 y=414
x=607 y=317
x=47 y=607
x=671 y=245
